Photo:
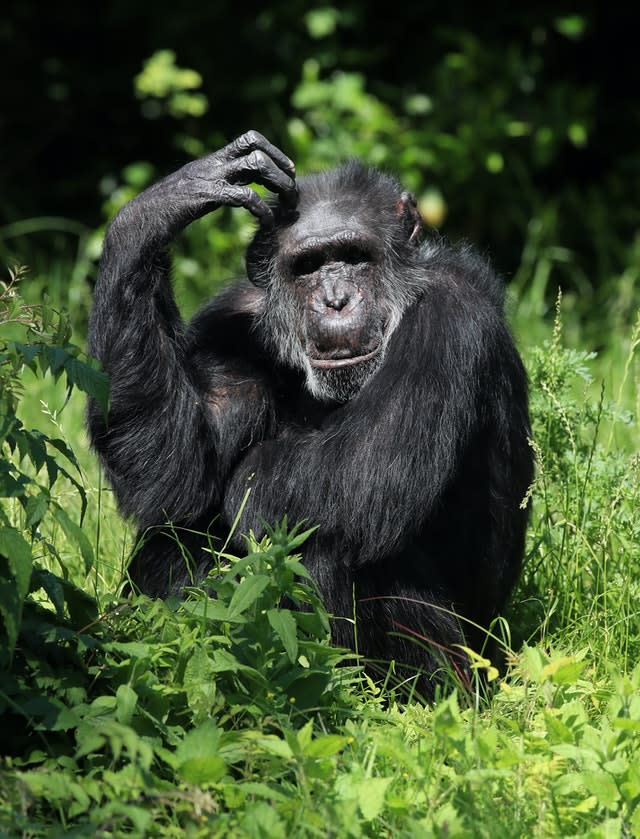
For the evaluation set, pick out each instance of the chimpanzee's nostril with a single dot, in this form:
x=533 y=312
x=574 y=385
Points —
x=336 y=301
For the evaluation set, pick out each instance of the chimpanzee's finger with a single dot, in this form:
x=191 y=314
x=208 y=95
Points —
x=254 y=141
x=232 y=195
x=257 y=167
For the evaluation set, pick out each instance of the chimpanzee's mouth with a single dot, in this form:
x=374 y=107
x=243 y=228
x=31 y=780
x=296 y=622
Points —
x=349 y=361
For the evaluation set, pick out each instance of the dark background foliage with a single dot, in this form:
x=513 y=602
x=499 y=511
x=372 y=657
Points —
x=510 y=112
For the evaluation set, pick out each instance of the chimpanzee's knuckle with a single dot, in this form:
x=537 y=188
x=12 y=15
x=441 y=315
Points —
x=258 y=160
x=254 y=138
x=250 y=197
x=226 y=191
x=245 y=141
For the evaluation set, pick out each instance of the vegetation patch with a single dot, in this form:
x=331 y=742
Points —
x=229 y=713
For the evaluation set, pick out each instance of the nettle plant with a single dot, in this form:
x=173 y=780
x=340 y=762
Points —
x=31 y=463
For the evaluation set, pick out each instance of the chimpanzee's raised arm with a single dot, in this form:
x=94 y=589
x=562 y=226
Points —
x=160 y=442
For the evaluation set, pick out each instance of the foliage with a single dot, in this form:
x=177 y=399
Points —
x=160 y=702
x=38 y=338
x=161 y=82
x=586 y=533
x=475 y=120
x=512 y=125
x=225 y=714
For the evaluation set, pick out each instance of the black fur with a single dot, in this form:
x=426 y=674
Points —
x=413 y=463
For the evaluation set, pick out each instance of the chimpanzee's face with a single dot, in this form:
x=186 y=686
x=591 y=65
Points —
x=330 y=303
x=332 y=265
x=329 y=272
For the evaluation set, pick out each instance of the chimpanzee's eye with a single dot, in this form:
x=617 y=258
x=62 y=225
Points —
x=354 y=254
x=307 y=263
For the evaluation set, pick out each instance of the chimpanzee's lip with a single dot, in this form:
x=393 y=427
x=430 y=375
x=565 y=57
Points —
x=337 y=363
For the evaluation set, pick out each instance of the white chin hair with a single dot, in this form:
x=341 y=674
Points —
x=342 y=383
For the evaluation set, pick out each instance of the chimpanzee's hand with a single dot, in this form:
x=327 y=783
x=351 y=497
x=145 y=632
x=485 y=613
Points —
x=220 y=179
x=155 y=216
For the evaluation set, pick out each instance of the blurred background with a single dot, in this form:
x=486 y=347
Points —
x=516 y=126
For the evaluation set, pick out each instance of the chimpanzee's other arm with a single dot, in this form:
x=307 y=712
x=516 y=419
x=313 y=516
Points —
x=165 y=450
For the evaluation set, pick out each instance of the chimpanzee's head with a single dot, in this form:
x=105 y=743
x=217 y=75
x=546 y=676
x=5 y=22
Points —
x=337 y=273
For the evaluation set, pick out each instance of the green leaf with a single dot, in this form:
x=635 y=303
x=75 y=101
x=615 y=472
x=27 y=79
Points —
x=571 y=26
x=31 y=444
x=296 y=541
x=321 y=22
x=298 y=568
x=262 y=790
x=54 y=787
x=56 y=358
x=76 y=534
x=53 y=587
x=275 y=746
x=62 y=447
x=301 y=740
x=11 y=487
x=49 y=713
x=94 y=383
x=11 y=613
x=126 y=701
x=28 y=352
x=198 y=757
x=83 y=609
x=222 y=661
x=371 y=796
x=35 y=508
x=208 y=608
x=284 y=624
x=200 y=684
x=601 y=785
x=248 y=591
x=18 y=553
x=326 y=746
x=564 y=670
x=557 y=730
x=312 y=624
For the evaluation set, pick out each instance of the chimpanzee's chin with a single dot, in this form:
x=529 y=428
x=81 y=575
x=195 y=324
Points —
x=340 y=384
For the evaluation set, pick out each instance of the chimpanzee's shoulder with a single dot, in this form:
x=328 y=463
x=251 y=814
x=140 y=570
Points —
x=463 y=265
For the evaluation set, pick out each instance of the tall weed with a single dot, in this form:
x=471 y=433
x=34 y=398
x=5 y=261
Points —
x=582 y=574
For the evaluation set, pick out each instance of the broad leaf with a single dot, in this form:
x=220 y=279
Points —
x=284 y=624
x=248 y=591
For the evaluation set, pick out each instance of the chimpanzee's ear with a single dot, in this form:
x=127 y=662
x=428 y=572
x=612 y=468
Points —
x=258 y=256
x=410 y=218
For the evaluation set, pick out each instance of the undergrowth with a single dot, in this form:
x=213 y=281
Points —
x=229 y=714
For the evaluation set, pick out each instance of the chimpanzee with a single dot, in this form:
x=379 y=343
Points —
x=361 y=379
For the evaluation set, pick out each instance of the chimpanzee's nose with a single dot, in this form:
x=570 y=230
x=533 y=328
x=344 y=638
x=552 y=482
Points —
x=336 y=295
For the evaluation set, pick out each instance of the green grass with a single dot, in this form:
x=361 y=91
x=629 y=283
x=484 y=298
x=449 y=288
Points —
x=229 y=718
